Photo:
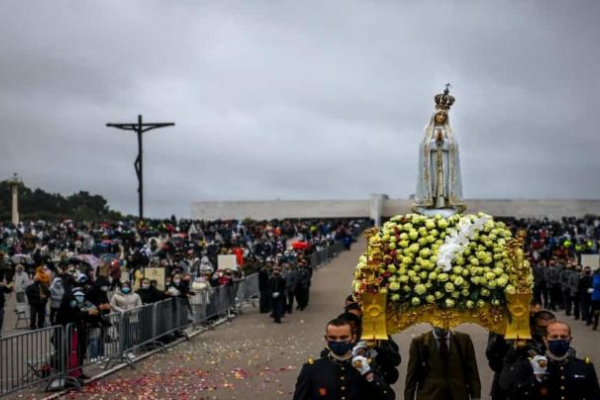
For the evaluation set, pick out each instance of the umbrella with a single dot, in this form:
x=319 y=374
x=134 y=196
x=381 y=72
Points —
x=89 y=259
x=300 y=245
x=22 y=259
x=108 y=257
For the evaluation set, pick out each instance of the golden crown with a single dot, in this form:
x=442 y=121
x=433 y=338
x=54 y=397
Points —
x=444 y=101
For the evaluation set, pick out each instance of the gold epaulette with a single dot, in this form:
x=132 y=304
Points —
x=311 y=361
x=587 y=360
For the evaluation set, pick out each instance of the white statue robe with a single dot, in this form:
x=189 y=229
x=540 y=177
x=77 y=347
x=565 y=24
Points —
x=427 y=183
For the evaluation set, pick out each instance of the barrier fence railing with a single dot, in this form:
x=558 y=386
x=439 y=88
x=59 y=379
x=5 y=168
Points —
x=55 y=356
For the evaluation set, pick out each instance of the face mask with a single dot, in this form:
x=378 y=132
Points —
x=339 y=349
x=177 y=281
x=126 y=290
x=440 y=332
x=146 y=286
x=558 y=347
x=73 y=303
x=80 y=299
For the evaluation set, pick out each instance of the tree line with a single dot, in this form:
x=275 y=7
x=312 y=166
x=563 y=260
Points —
x=37 y=204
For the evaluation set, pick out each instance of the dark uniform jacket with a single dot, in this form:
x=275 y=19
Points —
x=327 y=379
x=572 y=378
x=429 y=379
x=495 y=352
x=277 y=285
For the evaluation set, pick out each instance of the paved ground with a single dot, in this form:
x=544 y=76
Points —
x=253 y=358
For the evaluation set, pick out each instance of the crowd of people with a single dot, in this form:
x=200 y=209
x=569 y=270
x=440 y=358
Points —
x=45 y=264
x=563 y=280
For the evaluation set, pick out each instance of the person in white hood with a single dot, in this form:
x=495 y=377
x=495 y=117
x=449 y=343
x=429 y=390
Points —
x=57 y=292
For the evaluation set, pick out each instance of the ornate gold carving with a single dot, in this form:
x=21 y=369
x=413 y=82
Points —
x=374 y=316
x=489 y=317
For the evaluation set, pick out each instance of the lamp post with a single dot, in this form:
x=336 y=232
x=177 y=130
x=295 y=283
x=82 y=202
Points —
x=140 y=128
x=15 y=184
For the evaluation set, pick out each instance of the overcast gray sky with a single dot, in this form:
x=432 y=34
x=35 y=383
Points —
x=298 y=99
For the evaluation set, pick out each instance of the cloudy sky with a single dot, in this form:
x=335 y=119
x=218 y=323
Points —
x=298 y=99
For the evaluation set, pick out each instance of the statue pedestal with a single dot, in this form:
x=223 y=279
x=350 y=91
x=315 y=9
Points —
x=432 y=212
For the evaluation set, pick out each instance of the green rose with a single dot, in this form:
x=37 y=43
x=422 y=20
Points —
x=481 y=304
x=502 y=281
x=395 y=297
x=470 y=305
x=415 y=301
x=442 y=223
x=394 y=286
x=432 y=276
x=485 y=292
x=430 y=299
x=449 y=287
x=425 y=253
x=442 y=277
x=459 y=281
x=420 y=289
x=449 y=303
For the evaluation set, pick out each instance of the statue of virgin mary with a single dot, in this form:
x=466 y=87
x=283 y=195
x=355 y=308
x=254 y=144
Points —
x=439 y=188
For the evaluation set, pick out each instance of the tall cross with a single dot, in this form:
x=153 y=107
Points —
x=140 y=128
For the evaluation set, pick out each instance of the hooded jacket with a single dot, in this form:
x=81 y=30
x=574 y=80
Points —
x=57 y=292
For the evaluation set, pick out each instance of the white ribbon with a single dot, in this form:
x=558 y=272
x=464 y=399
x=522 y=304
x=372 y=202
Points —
x=458 y=240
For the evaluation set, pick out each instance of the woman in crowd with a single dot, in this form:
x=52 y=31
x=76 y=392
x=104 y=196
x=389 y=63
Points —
x=124 y=301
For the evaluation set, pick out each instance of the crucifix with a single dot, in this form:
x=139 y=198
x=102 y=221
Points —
x=139 y=128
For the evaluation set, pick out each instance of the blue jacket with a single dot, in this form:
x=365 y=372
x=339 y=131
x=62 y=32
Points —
x=596 y=286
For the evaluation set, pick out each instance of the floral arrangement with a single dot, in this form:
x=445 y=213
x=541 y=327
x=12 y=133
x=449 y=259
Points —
x=460 y=262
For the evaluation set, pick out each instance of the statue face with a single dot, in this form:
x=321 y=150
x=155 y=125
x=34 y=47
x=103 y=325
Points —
x=440 y=118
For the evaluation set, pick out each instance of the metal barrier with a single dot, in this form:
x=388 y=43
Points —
x=55 y=356
x=32 y=358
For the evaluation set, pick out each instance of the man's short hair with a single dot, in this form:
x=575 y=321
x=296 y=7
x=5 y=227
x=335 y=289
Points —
x=544 y=315
x=339 y=322
x=558 y=323
x=352 y=306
